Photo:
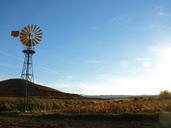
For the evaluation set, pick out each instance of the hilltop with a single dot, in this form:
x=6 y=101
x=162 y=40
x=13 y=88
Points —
x=16 y=88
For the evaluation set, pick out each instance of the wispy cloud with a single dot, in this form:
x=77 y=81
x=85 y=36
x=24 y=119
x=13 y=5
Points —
x=120 y=19
x=9 y=55
x=158 y=26
x=9 y=66
x=94 y=61
x=161 y=11
x=6 y=65
x=111 y=21
x=47 y=69
x=166 y=14
x=54 y=72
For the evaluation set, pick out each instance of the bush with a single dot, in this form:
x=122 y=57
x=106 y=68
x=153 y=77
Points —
x=165 y=95
x=5 y=106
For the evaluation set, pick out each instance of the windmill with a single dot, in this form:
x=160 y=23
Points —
x=29 y=36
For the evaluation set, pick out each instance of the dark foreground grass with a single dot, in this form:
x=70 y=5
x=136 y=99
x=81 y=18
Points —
x=109 y=117
x=57 y=120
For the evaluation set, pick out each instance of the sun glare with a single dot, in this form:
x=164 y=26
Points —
x=165 y=67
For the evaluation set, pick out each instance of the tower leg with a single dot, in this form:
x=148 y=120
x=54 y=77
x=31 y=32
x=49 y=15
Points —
x=27 y=73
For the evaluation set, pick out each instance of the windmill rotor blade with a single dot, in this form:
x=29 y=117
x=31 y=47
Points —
x=23 y=34
x=35 y=35
x=32 y=27
x=33 y=42
x=36 y=41
x=25 y=41
x=38 y=33
x=28 y=26
x=37 y=29
x=23 y=37
x=25 y=30
x=40 y=37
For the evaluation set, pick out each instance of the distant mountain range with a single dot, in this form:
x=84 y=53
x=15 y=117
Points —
x=16 y=88
x=117 y=96
x=107 y=96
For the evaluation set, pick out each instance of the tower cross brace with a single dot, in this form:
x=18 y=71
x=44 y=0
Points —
x=27 y=70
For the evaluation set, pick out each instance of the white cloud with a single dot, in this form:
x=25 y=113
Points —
x=145 y=62
x=160 y=13
x=143 y=59
x=119 y=86
x=69 y=77
x=160 y=48
x=124 y=63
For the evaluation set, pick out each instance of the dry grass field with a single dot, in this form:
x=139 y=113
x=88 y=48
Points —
x=85 y=113
x=86 y=105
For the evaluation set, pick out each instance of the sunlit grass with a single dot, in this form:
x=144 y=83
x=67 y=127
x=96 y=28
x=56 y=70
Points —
x=87 y=105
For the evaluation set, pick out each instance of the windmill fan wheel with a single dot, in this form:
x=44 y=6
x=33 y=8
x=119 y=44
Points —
x=30 y=35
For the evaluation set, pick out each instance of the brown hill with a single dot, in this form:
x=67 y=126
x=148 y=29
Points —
x=16 y=88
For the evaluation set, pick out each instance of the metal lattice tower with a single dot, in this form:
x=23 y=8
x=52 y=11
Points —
x=27 y=71
x=30 y=36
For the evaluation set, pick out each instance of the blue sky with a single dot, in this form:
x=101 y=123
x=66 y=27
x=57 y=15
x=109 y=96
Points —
x=92 y=46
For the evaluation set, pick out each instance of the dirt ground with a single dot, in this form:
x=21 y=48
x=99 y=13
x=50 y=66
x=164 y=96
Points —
x=16 y=121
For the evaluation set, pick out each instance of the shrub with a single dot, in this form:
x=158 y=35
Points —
x=5 y=106
x=165 y=95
